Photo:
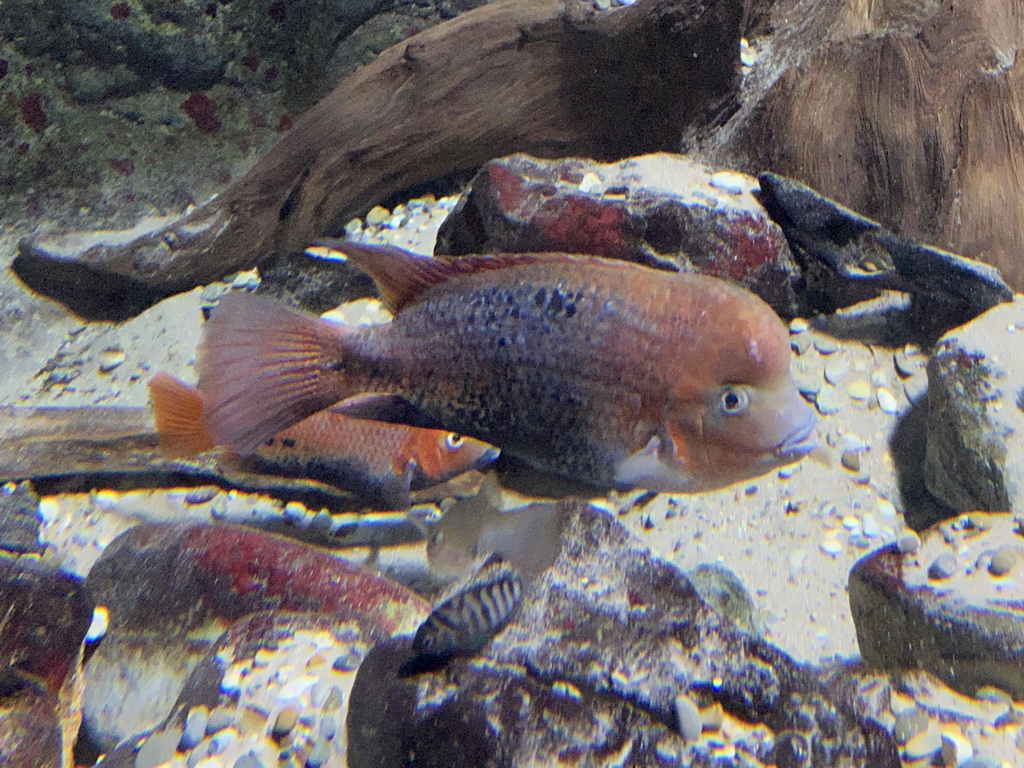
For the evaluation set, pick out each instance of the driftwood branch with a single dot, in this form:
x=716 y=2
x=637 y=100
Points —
x=548 y=77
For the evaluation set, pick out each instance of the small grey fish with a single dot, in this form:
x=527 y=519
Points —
x=466 y=622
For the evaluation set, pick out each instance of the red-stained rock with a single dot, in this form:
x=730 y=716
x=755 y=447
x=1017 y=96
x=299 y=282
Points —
x=951 y=605
x=172 y=590
x=44 y=616
x=662 y=210
x=30 y=731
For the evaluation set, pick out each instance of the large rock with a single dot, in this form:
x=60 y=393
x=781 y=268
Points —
x=975 y=452
x=608 y=648
x=952 y=606
x=662 y=210
x=45 y=617
x=172 y=590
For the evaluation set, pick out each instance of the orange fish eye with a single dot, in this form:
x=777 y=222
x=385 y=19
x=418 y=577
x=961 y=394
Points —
x=734 y=401
x=453 y=441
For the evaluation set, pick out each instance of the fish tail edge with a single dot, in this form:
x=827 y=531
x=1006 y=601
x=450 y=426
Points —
x=178 y=415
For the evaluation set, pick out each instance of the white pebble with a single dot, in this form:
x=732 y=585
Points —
x=956 y=749
x=797 y=558
x=729 y=181
x=887 y=401
x=49 y=509
x=377 y=216
x=688 y=717
x=909 y=543
x=591 y=183
x=110 y=358
x=798 y=325
x=886 y=509
x=851 y=523
x=836 y=369
x=747 y=54
x=827 y=401
x=860 y=389
x=870 y=527
x=98 y=625
x=831 y=546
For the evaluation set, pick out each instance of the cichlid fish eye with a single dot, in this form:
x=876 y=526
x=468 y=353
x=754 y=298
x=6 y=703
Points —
x=453 y=441
x=734 y=401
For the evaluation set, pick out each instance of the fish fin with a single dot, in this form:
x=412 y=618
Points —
x=402 y=276
x=264 y=367
x=393 y=409
x=655 y=467
x=178 y=413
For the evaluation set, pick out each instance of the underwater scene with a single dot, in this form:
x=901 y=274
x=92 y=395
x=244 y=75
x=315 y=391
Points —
x=448 y=383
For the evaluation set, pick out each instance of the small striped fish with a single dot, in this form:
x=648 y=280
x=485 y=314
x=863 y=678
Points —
x=466 y=622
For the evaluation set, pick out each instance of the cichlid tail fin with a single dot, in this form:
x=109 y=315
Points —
x=178 y=412
x=264 y=367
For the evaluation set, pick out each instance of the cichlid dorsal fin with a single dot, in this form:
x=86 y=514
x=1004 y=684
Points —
x=402 y=276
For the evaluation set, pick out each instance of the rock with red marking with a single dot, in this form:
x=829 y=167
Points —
x=660 y=209
x=953 y=606
x=172 y=590
x=44 y=617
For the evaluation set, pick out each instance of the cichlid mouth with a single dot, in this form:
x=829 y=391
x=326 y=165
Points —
x=799 y=443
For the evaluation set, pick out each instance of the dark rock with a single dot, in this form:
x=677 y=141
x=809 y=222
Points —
x=662 y=210
x=30 y=731
x=604 y=643
x=45 y=618
x=19 y=523
x=847 y=256
x=975 y=430
x=966 y=629
x=173 y=589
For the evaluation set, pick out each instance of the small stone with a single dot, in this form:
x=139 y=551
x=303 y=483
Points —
x=158 y=748
x=201 y=495
x=831 y=546
x=915 y=388
x=712 y=717
x=377 y=216
x=223 y=741
x=294 y=512
x=859 y=389
x=248 y=760
x=98 y=625
x=798 y=325
x=285 y=721
x=729 y=181
x=924 y=744
x=110 y=358
x=956 y=749
x=942 y=567
x=591 y=184
x=319 y=755
x=908 y=543
x=836 y=369
x=909 y=723
x=827 y=401
x=870 y=527
x=246 y=281
x=800 y=344
x=1003 y=560
x=886 y=509
x=993 y=694
x=748 y=56
x=195 y=728
x=850 y=460
x=328 y=727
x=219 y=719
x=826 y=345
x=688 y=717
x=887 y=401
x=851 y=522
x=48 y=509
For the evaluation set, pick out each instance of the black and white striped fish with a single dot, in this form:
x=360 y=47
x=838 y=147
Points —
x=466 y=622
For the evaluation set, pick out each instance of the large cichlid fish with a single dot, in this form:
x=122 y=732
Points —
x=610 y=373
x=379 y=462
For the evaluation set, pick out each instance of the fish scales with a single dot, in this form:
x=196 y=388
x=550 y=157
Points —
x=554 y=368
x=611 y=373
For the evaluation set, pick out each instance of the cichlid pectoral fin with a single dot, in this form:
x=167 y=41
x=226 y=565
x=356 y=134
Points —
x=393 y=409
x=656 y=467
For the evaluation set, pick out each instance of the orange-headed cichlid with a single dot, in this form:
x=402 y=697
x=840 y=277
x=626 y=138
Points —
x=607 y=372
x=379 y=461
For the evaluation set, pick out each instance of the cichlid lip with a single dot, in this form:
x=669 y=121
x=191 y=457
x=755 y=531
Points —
x=799 y=443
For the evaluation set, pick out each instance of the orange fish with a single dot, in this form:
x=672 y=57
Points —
x=382 y=462
x=610 y=373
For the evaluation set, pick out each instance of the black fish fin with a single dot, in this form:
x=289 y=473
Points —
x=393 y=409
x=402 y=276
